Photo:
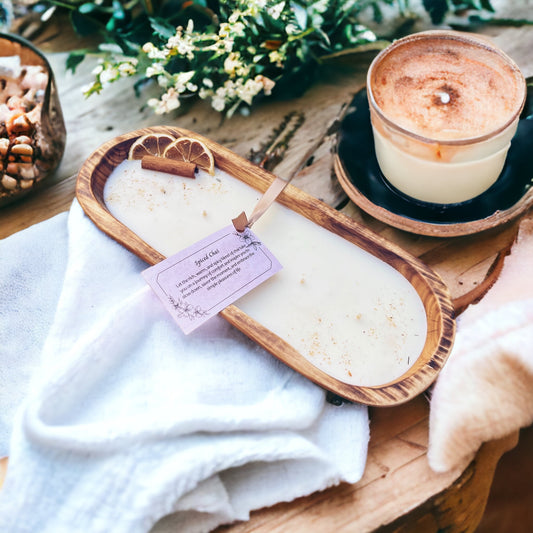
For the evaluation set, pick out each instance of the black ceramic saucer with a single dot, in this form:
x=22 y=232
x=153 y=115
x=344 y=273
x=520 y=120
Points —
x=359 y=174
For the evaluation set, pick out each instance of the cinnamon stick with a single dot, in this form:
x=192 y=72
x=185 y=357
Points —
x=172 y=166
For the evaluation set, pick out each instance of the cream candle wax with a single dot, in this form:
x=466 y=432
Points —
x=444 y=107
x=350 y=314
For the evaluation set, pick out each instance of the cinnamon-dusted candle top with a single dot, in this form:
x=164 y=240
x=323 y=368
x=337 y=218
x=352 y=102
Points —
x=446 y=86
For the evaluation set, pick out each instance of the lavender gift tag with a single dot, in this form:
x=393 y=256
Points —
x=201 y=280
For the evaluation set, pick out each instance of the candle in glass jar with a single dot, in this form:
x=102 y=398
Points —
x=444 y=107
x=350 y=314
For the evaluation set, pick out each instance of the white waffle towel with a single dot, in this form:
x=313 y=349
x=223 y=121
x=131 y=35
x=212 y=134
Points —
x=126 y=420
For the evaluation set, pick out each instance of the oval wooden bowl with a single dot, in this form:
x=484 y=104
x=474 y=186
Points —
x=432 y=291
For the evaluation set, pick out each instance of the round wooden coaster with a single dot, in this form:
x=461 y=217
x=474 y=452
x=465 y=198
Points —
x=359 y=175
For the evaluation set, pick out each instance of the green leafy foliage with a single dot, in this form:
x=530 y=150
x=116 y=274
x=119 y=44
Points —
x=230 y=52
x=437 y=9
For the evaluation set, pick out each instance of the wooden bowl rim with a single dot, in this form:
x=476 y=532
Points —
x=439 y=308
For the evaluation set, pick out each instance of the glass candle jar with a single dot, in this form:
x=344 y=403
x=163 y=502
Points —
x=444 y=107
x=32 y=129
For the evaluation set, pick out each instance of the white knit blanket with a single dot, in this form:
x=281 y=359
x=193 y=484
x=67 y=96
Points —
x=485 y=391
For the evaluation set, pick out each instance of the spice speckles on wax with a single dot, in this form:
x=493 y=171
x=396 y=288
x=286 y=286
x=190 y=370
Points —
x=350 y=314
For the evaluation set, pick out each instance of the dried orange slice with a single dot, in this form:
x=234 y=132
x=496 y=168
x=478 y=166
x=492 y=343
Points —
x=193 y=151
x=150 y=144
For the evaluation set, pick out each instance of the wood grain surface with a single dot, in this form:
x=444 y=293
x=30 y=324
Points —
x=295 y=139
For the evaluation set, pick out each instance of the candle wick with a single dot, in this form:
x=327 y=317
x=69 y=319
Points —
x=444 y=97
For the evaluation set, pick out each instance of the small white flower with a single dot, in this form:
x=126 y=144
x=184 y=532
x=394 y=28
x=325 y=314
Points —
x=276 y=10
x=168 y=102
x=109 y=74
x=249 y=90
x=163 y=81
x=238 y=29
x=171 y=99
x=186 y=49
x=292 y=29
x=267 y=83
x=127 y=68
x=204 y=93
x=256 y=5
x=232 y=63
x=148 y=47
x=154 y=70
x=367 y=35
x=234 y=17
x=276 y=57
x=218 y=103
x=182 y=44
x=228 y=44
x=320 y=6
x=153 y=52
x=182 y=79
x=87 y=88
x=224 y=29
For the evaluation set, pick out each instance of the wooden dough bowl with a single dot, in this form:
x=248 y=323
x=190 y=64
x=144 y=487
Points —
x=430 y=288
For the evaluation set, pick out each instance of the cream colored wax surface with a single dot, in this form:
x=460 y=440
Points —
x=350 y=314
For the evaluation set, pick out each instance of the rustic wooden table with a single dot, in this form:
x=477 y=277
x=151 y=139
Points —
x=398 y=491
